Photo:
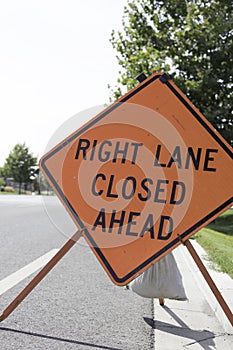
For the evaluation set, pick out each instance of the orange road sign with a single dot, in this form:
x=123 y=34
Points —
x=144 y=174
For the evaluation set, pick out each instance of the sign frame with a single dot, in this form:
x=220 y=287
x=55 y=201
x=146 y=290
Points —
x=183 y=235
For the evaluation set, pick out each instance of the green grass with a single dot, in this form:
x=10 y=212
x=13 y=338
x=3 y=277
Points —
x=7 y=193
x=224 y=223
x=217 y=240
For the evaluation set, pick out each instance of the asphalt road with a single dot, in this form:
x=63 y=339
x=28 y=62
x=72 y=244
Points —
x=76 y=306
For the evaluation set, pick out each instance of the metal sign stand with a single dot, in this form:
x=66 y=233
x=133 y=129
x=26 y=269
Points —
x=71 y=242
x=36 y=280
x=209 y=280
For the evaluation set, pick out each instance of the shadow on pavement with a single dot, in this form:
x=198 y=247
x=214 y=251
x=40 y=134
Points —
x=204 y=337
x=44 y=336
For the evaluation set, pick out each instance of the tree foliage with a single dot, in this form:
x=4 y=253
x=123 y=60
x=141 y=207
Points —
x=41 y=184
x=21 y=165
x=189 y=40
x=1 y=171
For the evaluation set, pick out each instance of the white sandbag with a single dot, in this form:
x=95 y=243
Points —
x=161 y=280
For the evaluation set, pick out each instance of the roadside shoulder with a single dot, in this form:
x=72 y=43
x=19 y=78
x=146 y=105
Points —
x=223 y=282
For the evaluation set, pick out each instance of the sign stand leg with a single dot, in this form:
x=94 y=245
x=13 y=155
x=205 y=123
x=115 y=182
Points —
x=161 y=301
x=209 y=280
x=36 y=280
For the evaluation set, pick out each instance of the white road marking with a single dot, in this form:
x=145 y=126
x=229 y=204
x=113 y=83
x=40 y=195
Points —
x=18 y=276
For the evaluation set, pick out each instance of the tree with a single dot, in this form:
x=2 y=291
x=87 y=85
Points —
x=2 y=184
x=1 y=171
x=192 y=41
x=21 y=165
x=2 y=181
x=41 y=185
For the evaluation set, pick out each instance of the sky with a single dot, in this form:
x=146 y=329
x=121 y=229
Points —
x=56 y=60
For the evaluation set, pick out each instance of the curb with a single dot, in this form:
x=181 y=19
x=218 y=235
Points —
x=222 y=281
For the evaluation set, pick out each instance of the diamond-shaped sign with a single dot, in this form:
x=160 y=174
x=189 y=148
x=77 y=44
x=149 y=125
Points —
x=143 y=174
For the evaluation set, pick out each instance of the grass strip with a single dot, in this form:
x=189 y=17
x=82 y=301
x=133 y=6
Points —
x=217 y=240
